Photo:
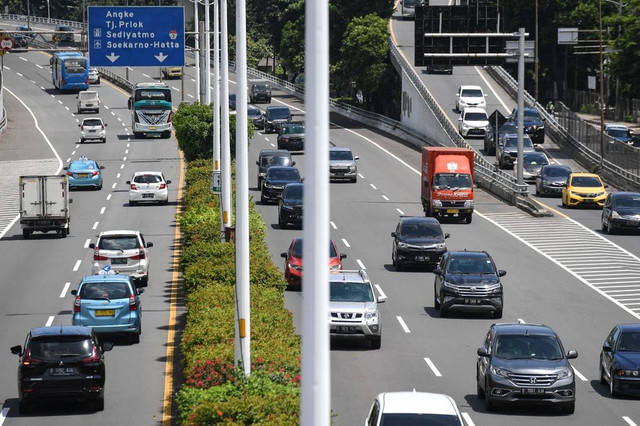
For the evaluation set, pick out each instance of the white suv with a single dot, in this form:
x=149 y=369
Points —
x=124 y=252
x=148 y=186
x=473 y=122
x=470 y=96
x=353 y=307
x=88 y=100
x=414 y=408
x=93 y=128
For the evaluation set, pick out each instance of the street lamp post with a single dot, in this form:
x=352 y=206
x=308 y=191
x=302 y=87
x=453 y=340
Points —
x=602 y=103
x=536 y=66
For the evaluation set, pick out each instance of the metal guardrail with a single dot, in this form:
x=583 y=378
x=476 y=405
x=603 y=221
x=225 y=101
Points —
x=40 y=20
x=564 y=128
x=3 y=120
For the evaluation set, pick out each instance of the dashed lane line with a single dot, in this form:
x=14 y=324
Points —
x=433 y=368
x=345 y=242
x=380 y=292
x=373 y=186
x=400 y=211
x=403 y=324
x=108 y=197
x=467 y=419
x=102 y=210
x=360 y=264
x=385 y=198
x=86 y=243
x=333 y=225
x=95 y=225
x=49 y=321
x=579 y=375
x=77 y=265
x=63 y=293
x=5 y=411
x=629 y=421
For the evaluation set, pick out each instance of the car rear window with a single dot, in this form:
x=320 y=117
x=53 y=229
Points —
x=82 y=166
x=92 y=122
x=147 y=179
x=123 y=242
x=108 y=290
x=410 y=419
x=60 y=347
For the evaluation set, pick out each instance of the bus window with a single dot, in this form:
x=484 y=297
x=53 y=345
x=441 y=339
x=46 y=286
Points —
x=75 y=66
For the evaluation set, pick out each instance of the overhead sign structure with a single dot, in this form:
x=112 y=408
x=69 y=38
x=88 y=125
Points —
x=136 y=36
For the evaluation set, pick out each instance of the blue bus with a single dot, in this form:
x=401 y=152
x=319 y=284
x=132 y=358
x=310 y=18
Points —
x=69 y=71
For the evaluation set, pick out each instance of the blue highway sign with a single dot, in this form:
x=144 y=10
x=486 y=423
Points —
x=136 y=36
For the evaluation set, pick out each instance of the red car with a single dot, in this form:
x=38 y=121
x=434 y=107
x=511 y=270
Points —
x=293 y=261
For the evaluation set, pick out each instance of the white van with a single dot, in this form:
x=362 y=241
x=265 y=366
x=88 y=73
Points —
x=88 y=100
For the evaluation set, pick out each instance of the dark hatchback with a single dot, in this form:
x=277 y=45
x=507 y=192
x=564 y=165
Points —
x=620 y=360
x=61 y=362
x=417 y=241
x=491 y=137
x=290 y=205
x=291 y=137
x=275 y=117
x=621 y=210
x=468 y=281
x=272 y=157
x=255 y=116
x=533 y=123
x=525 y=364
x=551 y=179
x=275 y=180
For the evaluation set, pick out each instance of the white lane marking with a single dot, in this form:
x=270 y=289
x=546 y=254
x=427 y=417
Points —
x=346 y=243
x=106 y=107
x=385 y=197
x=521 y=321
x=33 y=81
x=144 y=75
x=114 y=185
x=24 y=59
x=59 y=101
x=108 y=197
x=67 y=108
x=128 y=145
x=121 y=166
x=400 y=211
x=86 y=243
x=77 y=121
x=95 y=225
x=77 y=146
x=467 y=419
x=629 y=421
x=7 y=68
x=580 y=376
x=373 y=186
x=433 y=368
x=403 y=324
x=176 y=89
x=359 y=262
x=5 y=411
x=272 y=144
x=380 y=290
x=64 y=290
x=68 y=159
x=492 y=90
x=37 y=65
x=191 y=96
x=266 y=138
x=113 y=113
x=118 y=175
x=19 y=74
x=49 y=321
x=360 y=174
x=119 y=119
x=333 y=225
x=123 y=125
x=102 y=210
x=40 y=86
x=194 y=80
x=73 y=153
x=124 y=158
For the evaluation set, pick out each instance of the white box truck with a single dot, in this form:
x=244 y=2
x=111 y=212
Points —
x=44 y=204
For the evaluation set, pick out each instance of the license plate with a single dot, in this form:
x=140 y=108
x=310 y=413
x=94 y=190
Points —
x=147 y=195
x=472 y=301
x=422 y=258
x=346 y=329
x=83 y=175
x=451 y=211
x=119 y=261
x=105 y=312
x=61 y=371
x=532 y=391
x=152 y=128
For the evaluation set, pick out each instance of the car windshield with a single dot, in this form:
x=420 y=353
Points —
x=340 y=155
x=618 y=133
x=119 y=242
x=472 y=93
x=627 y=201
x=418 y=229
x=276 y=160
x=350 y=292
x=513 y=143
x=278 y=113
x=518 y=346
x=92 y=122
x=153 y=95
x=253 y=112
x=557 y=172
x=475 y=116
x=535 y=159
x=283 y=174
x=297 y=250
x=287 y=130
x=532 y=113
x=507 y=128
x=47 y=347
x=261 y=87
x=629 y=341
x=293 y=192
x=470 y=265
x=105 y=290
x=410 y=419
x=452 y=181
x=82 y=166
x=586 y=181
x=147 y=179
x=232 y=96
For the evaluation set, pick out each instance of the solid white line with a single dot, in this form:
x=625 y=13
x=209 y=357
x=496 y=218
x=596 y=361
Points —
x=400 y=211
x=359 y=262
x=64 y=290
x=5 y=411
x=102 y=210
x=493 y=90
x=49 y=321
x=373 y=186
x=580 y=376
x=114 y=185
x=377 y=286
x=86 y=243
x=403 y=324
x=433 y=368
x=108 y=197
x=467 y=419
x=360 y=174
x=629 y=421
x=345 y=242
x=333 y=225
x=95 y=225
x=521 y=321
x=385 y=197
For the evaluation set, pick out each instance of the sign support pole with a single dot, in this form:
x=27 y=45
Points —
x=520 y=100
x=225 y=142
x=196 y=43
x=207 y=48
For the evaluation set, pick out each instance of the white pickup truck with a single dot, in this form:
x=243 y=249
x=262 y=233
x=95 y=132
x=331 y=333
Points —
x=44 y=204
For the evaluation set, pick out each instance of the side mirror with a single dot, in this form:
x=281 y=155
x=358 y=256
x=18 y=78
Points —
x=382 y=299
x=76 y=96
x=483 y=352
x=130 y=103
x=168 y=182
x=257 y=163
x=394 y=234
x=606 y=348
x=460 y=118
x=343 y=256
x=107 y=346
x=356 y=158
x=437 y=271
x=446 y=235
x=149 y=244
x=106 y=124
x=502 y=273
x=128 y=182
x=65 y=168
x=140 y=290
x=101 y=167
x=606 y=185
x=16 y=350
x=572 y=354
x=293 y=163
x=92 y=245
x=457 y=95
x=74 y=292
x=79 y=125
x=283 y=255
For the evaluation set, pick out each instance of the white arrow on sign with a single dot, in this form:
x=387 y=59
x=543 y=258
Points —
x=113 y=57
x=161 y=57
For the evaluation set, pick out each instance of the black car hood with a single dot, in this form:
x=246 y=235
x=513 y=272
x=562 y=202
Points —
x=628 y=360
x=421 y=241
x=530 y=366
x=554 y=179
x=627 y=211
x=280 y=181
x=480 y=279
x=292 y=202
x=292 y=135
x=538 y=123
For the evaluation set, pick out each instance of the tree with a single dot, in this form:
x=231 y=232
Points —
x=625 y=61
x=292 y=47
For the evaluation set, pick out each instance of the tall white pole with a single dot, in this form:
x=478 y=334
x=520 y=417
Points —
x=202 y=53
x=225 y=142
x=520 y=101
x=243 y=323
x=216 y=87
x=207 y=57
x=315 y=406
x=196 y=43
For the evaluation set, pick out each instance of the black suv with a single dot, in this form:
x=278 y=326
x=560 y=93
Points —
x=417 y=240
x=290 y=205
x=533 y=123
x=291 y=136
x=61 y=362
x=272 y=157
x=275 y=180
x=468 y=281
x=525 y=363
x=275 y=117
x=260 y=92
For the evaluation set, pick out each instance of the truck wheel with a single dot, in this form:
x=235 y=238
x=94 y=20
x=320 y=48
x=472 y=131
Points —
x=68 y=229
x=25 y=234
x=469 y=217
x=63 y=233
x=137 y=135
x=166 y=134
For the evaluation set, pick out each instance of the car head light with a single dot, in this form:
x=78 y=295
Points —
x=565 y=373
x=450 y=286
x=441 y=246
x=371 y=315
x=287 y=207
x=499 y=371
x=436 y=203
x=615 y=215
x=403 y=245
x=468 y=203
x=334 y=267
x=296 y=267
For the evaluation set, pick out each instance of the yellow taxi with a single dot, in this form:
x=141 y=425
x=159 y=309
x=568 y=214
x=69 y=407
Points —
x=172 y=72
x=583 y=189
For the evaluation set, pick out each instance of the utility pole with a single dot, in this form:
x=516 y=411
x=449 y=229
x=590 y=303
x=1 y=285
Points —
x=216 y=101
x=196 y=43
x=243 y=323
x=520 y=101
x=201 y=58
x=225 y=140
x=536 y=66
x=315 y=405
x=602 y=103
x=207 y=48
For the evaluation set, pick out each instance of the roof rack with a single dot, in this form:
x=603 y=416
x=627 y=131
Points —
x=360 y=272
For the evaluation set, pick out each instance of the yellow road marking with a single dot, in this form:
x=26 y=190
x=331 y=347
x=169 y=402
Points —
x=556 y=211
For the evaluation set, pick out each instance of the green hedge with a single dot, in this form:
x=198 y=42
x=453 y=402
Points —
x=214 y=391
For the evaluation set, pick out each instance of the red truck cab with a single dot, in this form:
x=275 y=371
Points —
x=447 y=182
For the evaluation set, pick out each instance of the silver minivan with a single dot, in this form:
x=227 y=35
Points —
x=88 y=100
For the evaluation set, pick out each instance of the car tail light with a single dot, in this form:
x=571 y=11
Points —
x=133 y=187
x=82 y=127
x=163 y=186
x=95 y=173
x=87 y=80
x=102 y=125
x=27 y=360
x=63 y=82
x=76 y=304
x=170 y=117
x=95 y=356
x=69 y=173
x=96 y=255
x=132 y=303
x=140 y=255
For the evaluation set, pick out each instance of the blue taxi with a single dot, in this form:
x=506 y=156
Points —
x=84 y=173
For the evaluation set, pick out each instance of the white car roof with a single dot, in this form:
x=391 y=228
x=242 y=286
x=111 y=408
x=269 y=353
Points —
x=474 y=109
x=465 y=87
x=92 y=118
x=616 y=126
x=119 y=232
x=417 y=403
x=147 y=173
